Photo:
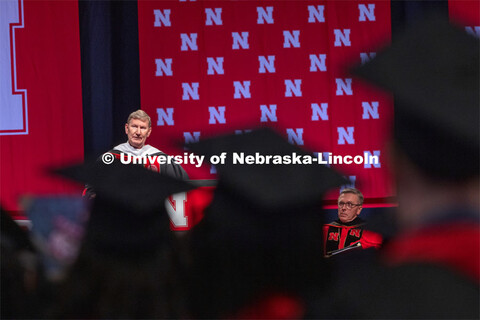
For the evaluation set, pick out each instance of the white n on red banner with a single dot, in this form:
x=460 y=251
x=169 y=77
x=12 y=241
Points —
x=39 y=60
x=209 y=67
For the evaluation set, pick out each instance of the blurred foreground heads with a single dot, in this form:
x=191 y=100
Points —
x=23 y=286
x=257 y=253
x=125 y=268
x=433 y=72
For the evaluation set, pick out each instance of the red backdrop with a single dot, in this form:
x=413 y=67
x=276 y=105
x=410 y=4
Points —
x=210 y=67
x=44 y=67
x=466 y=13
x=206 y=67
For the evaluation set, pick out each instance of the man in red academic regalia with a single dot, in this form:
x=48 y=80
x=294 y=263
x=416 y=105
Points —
x=347 y=232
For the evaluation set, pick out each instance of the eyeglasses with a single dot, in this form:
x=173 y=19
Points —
x=349 y=205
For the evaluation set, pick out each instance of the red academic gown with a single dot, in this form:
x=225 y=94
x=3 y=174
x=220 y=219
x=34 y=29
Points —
x=453 y=244
x=338 y=235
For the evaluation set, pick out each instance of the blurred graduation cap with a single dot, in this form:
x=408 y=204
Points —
x=262 y=226
x=128 y=215
x=12 y=234
x=433 y=71
x=268 y=187
x=264 y=205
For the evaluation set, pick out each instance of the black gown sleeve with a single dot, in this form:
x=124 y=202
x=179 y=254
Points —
x=172 y=169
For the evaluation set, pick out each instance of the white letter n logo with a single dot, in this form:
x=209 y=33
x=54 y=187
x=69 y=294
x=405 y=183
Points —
x=190 y=91
x=175 y=206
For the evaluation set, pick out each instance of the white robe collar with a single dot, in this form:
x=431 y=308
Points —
x=144 y=151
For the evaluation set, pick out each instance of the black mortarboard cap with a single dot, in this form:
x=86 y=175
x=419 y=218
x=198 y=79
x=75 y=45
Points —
x=268 y=186
x=262 y=229
x=128 y=215
x=433 y=71
x=12 y=233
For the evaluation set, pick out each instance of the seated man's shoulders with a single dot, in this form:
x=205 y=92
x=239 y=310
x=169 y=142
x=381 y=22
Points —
x=172 y=168
x=150 y=150
x=334 y=223
x=358 y=222
x=169 y=168
x=145 y=150
x=120 y=147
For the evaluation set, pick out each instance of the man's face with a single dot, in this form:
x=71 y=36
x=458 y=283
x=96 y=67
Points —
x=137 y=131
x=346 y=214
